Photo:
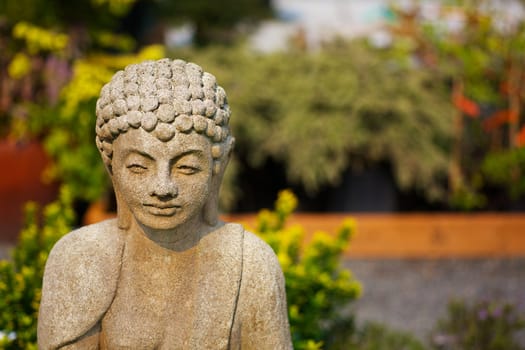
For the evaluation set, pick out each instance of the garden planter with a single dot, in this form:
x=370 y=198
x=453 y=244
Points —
x=20 y=182
x=419 y=235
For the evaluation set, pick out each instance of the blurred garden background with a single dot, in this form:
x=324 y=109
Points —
x=406 y=116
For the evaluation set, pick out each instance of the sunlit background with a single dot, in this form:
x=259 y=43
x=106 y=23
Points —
x=405 y=115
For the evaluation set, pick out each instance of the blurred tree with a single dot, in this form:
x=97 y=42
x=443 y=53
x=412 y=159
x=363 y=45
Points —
x=319 y=113
x=61 y=14
x=39 y=41
x=214 y=21
x=478 y=47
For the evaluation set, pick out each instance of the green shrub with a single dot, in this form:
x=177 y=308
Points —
x=374 y=336
x=21 y=278
x=484 y=325
x=505 y=169
x=316 y=285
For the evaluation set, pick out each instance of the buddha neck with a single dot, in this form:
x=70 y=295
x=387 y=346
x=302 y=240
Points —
x=181 y=238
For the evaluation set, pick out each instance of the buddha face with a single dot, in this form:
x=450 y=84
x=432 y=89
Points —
x=164 y=184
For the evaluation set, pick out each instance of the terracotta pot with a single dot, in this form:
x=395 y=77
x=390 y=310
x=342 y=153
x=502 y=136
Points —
x=21 y=181
x=96 y=212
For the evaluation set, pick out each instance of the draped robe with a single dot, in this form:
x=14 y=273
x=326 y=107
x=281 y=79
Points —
x=107 y=288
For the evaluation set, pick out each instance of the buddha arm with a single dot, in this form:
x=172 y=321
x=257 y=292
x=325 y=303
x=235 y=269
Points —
x=88 y=341
x=262 y=316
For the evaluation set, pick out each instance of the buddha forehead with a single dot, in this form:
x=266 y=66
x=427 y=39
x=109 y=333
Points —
x=163 y=98
x=138 y=141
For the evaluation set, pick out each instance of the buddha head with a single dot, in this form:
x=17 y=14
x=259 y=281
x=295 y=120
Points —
x=163 y=133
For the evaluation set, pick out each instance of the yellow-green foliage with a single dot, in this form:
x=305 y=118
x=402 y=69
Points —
x=316 y=285
x=19 y=66
x=92 y=72
x=21 y=278
x=38 y=39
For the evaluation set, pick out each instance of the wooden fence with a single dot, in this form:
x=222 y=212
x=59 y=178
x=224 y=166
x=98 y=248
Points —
x=421 y=235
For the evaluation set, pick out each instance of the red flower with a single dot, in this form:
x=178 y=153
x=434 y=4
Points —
x=499 y=118
x=465 y=105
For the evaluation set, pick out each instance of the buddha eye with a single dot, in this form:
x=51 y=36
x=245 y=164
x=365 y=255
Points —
x=187 y=169
x=136 y=168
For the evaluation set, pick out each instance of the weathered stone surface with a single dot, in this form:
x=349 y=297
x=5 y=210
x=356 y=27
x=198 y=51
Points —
x=166 y=274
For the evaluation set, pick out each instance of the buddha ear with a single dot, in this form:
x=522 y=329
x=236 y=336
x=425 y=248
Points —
x=124 y=215
x=211 y=207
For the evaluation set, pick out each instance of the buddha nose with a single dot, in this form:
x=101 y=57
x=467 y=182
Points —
x=164 y=186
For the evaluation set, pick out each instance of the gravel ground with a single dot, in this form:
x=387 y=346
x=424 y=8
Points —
x=411 y=295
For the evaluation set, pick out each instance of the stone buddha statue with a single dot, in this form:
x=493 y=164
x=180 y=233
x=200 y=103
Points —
x=166 y=273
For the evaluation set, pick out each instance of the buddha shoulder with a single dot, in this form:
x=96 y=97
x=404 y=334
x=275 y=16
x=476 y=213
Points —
x=95 y=246
x=80 y=280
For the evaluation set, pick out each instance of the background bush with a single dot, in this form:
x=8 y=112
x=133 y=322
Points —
x=344 y=106
x=21 y=277
x=316 y=284
x=482 y=325
x=374 y=336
